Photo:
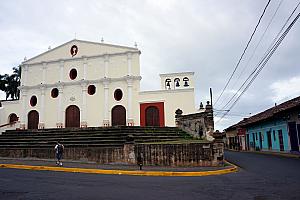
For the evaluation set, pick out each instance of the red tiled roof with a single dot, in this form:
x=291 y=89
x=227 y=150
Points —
x=237 y=125
x=271 y=112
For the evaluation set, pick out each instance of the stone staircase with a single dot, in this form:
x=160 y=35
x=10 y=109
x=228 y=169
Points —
x=88 y=137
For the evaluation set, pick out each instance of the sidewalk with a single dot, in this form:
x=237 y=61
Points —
x=113 y=168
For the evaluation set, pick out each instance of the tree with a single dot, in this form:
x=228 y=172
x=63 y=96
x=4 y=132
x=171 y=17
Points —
x=10 y=83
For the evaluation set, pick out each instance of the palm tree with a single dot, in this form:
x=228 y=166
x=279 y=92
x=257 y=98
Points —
x=16 y=81
x=10 y=83
x=3 y=83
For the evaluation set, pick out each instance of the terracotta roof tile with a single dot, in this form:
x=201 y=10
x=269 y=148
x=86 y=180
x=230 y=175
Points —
x=271 y=112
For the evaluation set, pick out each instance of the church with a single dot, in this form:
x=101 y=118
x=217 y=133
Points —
x=90 y=84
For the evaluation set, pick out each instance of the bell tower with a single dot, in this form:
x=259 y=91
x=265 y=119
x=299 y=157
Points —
x=173 y=81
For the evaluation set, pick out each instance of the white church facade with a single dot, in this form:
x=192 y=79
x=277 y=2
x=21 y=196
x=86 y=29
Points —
x=89 y=84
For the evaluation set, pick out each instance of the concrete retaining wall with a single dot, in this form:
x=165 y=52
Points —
x=194 y=154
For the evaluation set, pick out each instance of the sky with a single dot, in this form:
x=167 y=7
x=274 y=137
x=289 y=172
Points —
x=203 y=36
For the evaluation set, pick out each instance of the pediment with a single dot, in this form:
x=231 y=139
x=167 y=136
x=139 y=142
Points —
x=76 y=49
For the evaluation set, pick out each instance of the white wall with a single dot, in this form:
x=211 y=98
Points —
x=173 y=99
x=122 y=67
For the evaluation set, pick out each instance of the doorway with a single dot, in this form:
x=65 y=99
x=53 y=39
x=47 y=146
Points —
x=260 y=140
x=152 y=116
x=293 y=136
x=118 y=116
x=269 y=140
x=281 y=145
x=33 y=120
x=72 y=116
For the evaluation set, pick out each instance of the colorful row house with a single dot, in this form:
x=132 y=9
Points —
x=235 y=137
x=275 y=129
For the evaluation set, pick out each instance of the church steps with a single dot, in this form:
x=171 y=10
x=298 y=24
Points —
x=66 y=142
x=81 y=138
x=88 y=137
x=89 y=134
x=106 y=130
x=48 y=146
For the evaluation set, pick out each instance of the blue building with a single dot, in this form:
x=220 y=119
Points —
x=275 y=129
x=271 y=135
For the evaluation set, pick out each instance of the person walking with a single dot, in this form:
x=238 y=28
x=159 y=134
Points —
x=59 y=150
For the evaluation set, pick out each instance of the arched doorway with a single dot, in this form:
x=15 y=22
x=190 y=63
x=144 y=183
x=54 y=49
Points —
x=33 y=120
x=152 y=116
x=118 y=116
x=72 y=116
x=12 y=118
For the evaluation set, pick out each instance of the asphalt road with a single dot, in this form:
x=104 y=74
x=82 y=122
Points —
x=261 y=177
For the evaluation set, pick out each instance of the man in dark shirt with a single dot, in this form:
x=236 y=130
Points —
x=59 y=149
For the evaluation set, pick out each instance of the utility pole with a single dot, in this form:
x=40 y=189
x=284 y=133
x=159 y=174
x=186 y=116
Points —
x=210 y=91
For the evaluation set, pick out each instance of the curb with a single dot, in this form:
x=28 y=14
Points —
x=121 y=172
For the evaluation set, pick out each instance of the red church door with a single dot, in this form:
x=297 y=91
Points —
x=33 y=119
x=118 y=116
x=72 y=116
x=152 y=116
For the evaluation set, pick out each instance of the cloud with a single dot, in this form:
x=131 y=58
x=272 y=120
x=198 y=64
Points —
x=285 y=89
x=174 y=36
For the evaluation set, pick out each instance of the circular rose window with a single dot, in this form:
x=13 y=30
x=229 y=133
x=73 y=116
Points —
x=54 y=92
x=73 y=74
x=118 y=94
x=33 y=101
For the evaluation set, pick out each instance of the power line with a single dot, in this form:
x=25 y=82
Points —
x=247 y=64
x=260 y=40
x=264 y=63
x=243 y=52
x=266 y=53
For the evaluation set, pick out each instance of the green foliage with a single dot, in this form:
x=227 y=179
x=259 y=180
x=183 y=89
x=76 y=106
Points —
x=10 y=83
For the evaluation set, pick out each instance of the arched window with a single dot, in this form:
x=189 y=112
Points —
x=168 y=83
x=177 y=82
x=186 y=81
x=12 y=118
x=91 y=89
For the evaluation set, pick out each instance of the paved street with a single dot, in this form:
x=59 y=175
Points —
x=261 y=177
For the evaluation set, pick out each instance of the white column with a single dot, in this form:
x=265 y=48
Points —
x=61 y=71
x=83 y=122
x=44 y=68
x=42 y=111
x=25 y=72
x=106 y=112
x=106 y=60
x=130 y=121
x=23 y=117
x=84 y=68
x=60 y=111
x=129 y=56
